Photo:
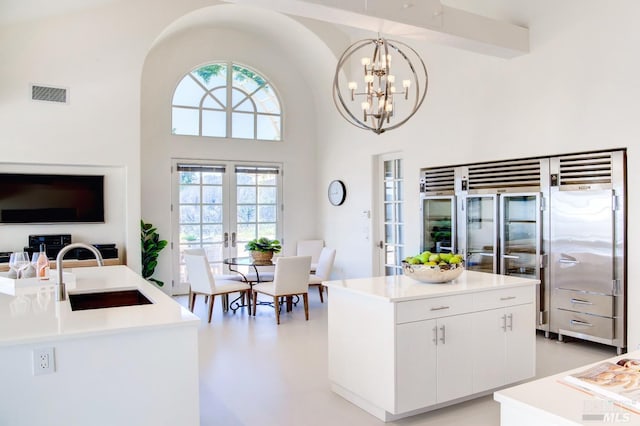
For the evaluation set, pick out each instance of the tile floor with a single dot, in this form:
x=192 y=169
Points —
x=253 y=372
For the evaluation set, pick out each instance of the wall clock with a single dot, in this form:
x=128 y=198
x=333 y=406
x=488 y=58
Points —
x=337 y=192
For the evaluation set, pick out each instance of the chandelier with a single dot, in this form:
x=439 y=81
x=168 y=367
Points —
x=374 y=107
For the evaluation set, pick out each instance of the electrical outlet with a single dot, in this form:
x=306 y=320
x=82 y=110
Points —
x=43 y=361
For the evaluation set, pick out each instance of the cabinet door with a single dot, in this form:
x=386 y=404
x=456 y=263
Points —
x=520 y=361
x=415 y=365
x=488 y=349
x=454 y=367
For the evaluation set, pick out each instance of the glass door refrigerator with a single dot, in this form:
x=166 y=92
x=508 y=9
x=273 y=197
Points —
x=520 y=234
x=482 y=233
x=438 y=210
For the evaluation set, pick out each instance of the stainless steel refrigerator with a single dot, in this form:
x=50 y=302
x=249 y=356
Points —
x=588 y=247
x=438 y=205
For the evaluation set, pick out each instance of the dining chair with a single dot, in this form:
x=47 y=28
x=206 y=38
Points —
x=323 y=271
x=310 y=248
x=289 y=279
x=202 y=281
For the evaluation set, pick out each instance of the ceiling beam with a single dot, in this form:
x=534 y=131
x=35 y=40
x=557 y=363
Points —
x=419 y=19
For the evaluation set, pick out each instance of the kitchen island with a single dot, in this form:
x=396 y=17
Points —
x=398 y=347
x=128 y=365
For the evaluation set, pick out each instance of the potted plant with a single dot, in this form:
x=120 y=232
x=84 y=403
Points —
x=151 y=245
x=262 y=249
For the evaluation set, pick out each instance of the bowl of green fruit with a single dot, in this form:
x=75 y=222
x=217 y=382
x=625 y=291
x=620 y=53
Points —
x=433 y=268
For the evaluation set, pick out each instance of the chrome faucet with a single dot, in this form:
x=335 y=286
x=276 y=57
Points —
x=61 y=292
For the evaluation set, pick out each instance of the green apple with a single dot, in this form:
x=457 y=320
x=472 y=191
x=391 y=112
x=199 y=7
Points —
x=431 y=263
x=424 y=258
x=413 y=261
x=446 y=256
x=434 y=258
x=455 y=259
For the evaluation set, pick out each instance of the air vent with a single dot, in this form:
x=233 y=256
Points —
x=585 y=169
x=437 y=180
x=49 y=94
x=507 y=174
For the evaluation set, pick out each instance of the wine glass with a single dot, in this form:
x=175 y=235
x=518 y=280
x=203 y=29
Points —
x=19 y=262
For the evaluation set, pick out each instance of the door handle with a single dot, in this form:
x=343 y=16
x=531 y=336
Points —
x=381 y=244
x=504 y=323
x=435 y=335
x=233 y=239
x=442 y=339
x=572 y=262
x=226 y=239
x=510 y=322
x=510 y=256
x=486 y=254
x=581 y=302
x=582 y=323
x=446 y=248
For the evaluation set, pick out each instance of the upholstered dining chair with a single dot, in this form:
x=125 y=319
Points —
x=202 y=281
x=310 y=248
x=289 y=279
x=323 y=271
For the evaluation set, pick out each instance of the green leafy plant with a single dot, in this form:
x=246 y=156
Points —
x=151 y=245
x=264 y=245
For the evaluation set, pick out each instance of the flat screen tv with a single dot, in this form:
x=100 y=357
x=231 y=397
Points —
x=37 y=198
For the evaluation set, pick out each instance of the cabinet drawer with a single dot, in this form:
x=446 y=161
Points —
x=493 y=299
x=417 y=310
x=577 y=322
x=579 y=301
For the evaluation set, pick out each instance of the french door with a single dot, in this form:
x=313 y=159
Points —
x=391 y=230
x=219 y=206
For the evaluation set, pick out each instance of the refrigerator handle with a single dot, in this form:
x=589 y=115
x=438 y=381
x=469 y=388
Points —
x=544 y=259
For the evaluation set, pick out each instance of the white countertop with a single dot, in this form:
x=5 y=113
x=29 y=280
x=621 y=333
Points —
x=33 y=314
x=399 y=288
x=558 y=403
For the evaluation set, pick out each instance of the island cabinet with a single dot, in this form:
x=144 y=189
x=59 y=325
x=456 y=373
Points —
x=398 y=347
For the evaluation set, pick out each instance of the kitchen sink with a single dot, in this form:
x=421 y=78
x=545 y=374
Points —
x=107 y=299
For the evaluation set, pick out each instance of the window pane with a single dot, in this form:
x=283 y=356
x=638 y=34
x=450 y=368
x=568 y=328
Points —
x=266 y=213
x=213 y=252
x=211 y=233
x=215 y=99
x=189 y=194
x=212 y=214
x=246 y=194
x=246 y=79
x=185 y=121
x=189 y=177
x=246 y=178
x=212 y=178
x=267 y=195
x=266 y=101
x=388 y=212
x=189 y=214
x=246 y=232
x=267 y=230
x=214 y=123
x=388 y=169
x=268 y=127
x=267 y=179
x=242 y=125
x=189 y=233
x=399 y=190
x=240 y=101
x=211 y=194
x=212 y=75
x=188 y=93
x=246 y=214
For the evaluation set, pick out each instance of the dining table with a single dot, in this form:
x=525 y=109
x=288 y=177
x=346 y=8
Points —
x=234 y=263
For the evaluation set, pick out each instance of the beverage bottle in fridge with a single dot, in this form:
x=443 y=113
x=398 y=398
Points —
x=42 y=267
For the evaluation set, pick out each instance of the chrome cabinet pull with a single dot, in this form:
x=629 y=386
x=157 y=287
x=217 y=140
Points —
x=508 y=298
x=504 y=323
x=226 y=239
x=572 y=262
x=510 y=322
x=439 y=308
x=442 y=339
x=582 y=323
x=510 y=256
x=435 y=335
x=486 y=254
x=581 y=302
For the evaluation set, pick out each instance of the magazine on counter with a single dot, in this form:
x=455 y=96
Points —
x=619 y=382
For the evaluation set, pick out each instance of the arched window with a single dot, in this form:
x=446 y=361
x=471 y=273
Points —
x=211 y=101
